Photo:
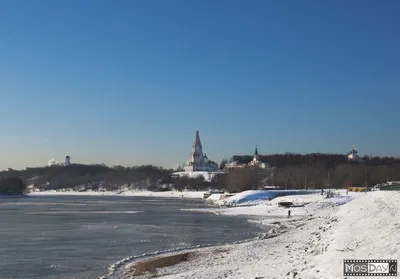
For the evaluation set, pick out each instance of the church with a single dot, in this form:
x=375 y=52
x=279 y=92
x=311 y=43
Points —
x=255 y=162
x=197 y=161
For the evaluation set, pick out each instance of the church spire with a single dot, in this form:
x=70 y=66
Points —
x=256 y=152
x=197 y=142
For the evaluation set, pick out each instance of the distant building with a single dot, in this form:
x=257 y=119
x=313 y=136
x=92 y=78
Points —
x=197 y=161
x=352 y=156
x=233 y=165
x=255 y=162
x=53 y=162
x=67 y=160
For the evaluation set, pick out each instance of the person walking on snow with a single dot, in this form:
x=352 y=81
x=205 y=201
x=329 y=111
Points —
x=288 y=214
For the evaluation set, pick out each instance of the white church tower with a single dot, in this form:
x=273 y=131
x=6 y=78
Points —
x=197 y=161
x=67 y=160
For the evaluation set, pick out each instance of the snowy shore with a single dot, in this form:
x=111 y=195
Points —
x=128 y=193
x=303 y=204
x=311 y=245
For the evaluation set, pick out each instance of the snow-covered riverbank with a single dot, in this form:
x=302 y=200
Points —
x=130 y=193
x=303 y=205
x=310 y=246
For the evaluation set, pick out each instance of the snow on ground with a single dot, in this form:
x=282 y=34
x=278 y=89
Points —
x=208 y=176
x=245 y=204
x=246 y=197
x=214 y=197
x=253 y=197
x=313 y=247
x=165 y=194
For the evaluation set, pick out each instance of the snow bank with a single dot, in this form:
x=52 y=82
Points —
x=166 y=194
x=366 y=228
x=215 y=197
x=254 y=197
x=313 y=247
x=208 y=176
x=268 y=211
x=246 y=197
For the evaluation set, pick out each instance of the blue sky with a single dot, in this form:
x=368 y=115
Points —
x=128 y=82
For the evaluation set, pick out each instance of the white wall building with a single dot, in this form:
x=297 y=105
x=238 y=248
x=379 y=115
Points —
x=53 y=162
x=233 y=165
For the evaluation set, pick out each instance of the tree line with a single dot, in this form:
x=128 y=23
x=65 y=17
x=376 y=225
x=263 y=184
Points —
x=94 y=177
x=317 y=176
x=341 y=176
x=291 y=171
x=292 y=159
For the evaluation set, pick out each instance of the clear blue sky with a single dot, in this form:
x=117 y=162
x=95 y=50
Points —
x=128 y=82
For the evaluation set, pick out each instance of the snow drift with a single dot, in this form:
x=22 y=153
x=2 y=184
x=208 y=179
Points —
x=254 y=197
x=366 y=228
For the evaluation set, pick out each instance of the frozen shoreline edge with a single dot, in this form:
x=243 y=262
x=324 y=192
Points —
x=118 y=269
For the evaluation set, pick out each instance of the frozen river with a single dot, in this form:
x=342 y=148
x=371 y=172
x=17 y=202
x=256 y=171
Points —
x=79 y=237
